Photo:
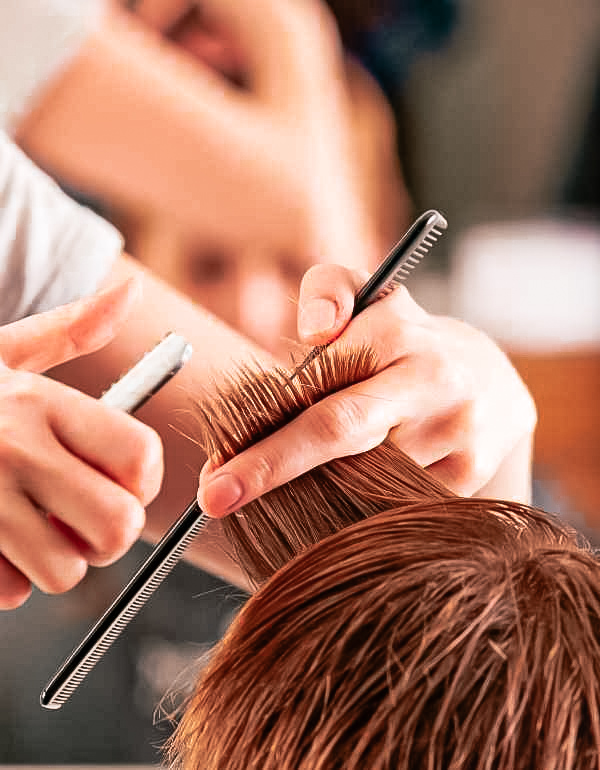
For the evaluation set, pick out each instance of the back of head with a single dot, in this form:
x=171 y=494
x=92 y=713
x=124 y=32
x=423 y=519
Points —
x=398 y=627
x=450 y=635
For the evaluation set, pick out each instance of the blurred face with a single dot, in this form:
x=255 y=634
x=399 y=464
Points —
x=256 y=291
x=253 y=291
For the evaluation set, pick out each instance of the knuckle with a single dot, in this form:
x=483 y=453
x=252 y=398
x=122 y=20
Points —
x=393 y=345
x=15 y=597
x=74 y=340
x=401 y=303
x=399 y=296
x=63 y=579
x=21 y=389
x=404 y=340
x=472 y=469
x=121 y=528
x=440 y=370
x=143 y=471
x=17 y=450
x=11 y=448
x=463 y=419
x=360 y=276
x=439 y=367
x=456 y=424
x=339 y=421
x=265 y=473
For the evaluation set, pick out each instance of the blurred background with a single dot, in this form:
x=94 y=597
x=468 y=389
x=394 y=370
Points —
x=494 y=115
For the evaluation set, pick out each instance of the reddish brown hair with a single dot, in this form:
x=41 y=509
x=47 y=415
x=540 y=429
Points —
x=431 y=633
x=283 y=523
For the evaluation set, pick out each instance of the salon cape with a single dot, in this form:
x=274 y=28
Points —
x=51 y=249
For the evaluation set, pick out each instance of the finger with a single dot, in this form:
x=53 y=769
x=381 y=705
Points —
x=47 y=339
x=15 y=588
x=326 y=302
x=352 y=421
x=121 y=447
x=464 y=471
x=35 y=548
x=103 y=515
x=426 y=441
x=392 y=326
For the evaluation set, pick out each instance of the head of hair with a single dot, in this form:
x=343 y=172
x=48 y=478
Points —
x=415 y=630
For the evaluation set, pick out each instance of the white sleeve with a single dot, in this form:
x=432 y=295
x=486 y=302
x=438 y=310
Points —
x=52 y=250
x=37 y=39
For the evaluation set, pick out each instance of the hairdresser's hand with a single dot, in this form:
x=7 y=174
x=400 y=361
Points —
x=75 y=474
x=444 y=393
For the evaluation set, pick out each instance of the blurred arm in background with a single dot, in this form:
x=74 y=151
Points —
x=135 y=119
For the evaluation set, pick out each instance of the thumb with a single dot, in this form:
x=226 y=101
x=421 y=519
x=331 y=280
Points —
x=326 y=302
x=42 y=341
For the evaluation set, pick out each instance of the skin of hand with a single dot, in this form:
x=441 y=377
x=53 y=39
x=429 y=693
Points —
x=75 y=474
x=444 y=393
x=217 y=348
x=269 y=165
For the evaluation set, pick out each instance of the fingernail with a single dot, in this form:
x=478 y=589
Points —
x=222 y=493
x=317 y=316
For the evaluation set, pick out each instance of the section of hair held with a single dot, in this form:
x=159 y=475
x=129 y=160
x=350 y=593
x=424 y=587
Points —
x=453 y=635
x=270 y=531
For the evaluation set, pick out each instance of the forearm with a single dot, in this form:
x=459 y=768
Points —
x=217 y=349
x=137 y=121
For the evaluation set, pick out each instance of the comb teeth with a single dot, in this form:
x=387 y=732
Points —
x=429 y=240
x=316 y=351
x=409 y=263
x=104 y=642
x=402 y=272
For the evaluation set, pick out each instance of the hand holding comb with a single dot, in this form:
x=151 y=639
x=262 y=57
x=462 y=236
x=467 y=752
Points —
x=394 y=269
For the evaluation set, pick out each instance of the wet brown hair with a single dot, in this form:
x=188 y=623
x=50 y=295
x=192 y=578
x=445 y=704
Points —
x=432 y=633
x=283 y=523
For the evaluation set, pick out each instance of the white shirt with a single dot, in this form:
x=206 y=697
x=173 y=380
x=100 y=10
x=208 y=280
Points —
x=51 y=249
x=38 y=38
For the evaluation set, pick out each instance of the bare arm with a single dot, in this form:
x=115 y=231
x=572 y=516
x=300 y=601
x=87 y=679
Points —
x=136 y=120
